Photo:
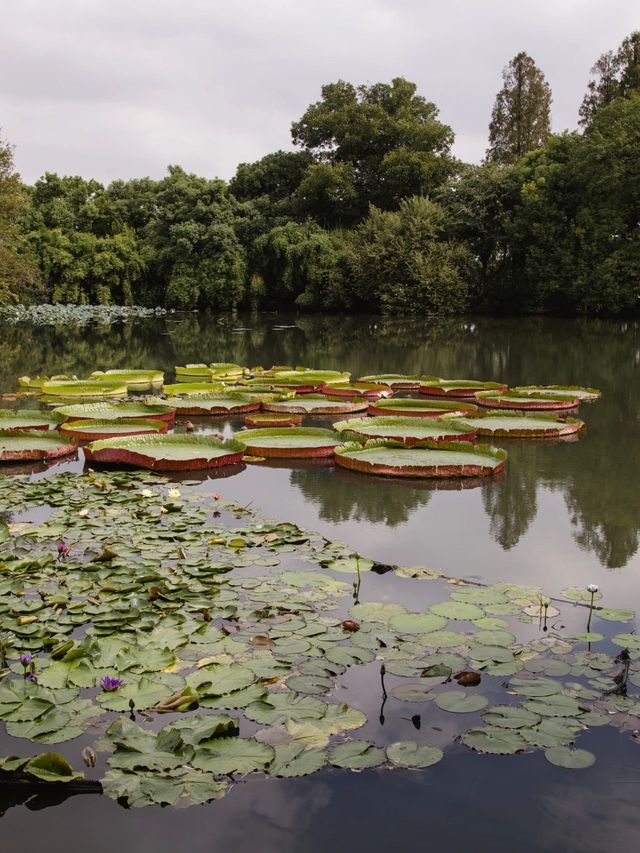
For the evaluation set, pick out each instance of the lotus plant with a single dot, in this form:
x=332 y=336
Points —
x=592 y=588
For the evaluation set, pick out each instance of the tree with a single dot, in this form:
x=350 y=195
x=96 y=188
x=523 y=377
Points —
x=616 y=76
x=520 y=118
x=402 y=261
x=19 y=280
x=387 y=135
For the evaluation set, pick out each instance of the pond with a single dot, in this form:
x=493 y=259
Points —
x=564 y=514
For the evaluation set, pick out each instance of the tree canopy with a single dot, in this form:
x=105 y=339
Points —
x=616 y=75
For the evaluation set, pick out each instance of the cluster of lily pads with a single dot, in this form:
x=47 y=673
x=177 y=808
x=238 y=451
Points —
x=177 y=643
x=376 y=428
x=75 y=315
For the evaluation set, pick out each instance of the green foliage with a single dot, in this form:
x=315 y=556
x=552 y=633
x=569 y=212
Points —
x=19 y=281
x=383 y=141
x=402 y=261
x=520 y=118
x=616 y=75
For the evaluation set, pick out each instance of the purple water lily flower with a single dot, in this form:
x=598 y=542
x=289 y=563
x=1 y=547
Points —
x=25 y=659
x=63 y=550
x=32 y=677
x=109 y=684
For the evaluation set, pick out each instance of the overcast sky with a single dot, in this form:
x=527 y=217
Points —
x=121 y=88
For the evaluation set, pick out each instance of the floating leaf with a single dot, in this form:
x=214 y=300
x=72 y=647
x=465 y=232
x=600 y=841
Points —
x=459 y=702
x=572 y=759
x=357 y=755
x=407 y=753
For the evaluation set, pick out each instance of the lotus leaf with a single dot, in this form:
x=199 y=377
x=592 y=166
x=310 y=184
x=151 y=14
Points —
x=407 y=753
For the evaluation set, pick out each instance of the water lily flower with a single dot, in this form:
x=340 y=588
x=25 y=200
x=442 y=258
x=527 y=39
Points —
x=32 y=677
x=592 y=588
x=109 y=684
x=147 y=493
x=63 y=550
x=25 y=659
x=215 y=496
x=84 y=512
x=174 y=493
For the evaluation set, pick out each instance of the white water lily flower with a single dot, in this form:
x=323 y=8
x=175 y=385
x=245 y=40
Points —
x=146 y=493
x=174 y=493
x=593 y=587
x=84 y=512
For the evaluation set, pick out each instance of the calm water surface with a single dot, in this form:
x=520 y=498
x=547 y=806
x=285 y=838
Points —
x=565 y=514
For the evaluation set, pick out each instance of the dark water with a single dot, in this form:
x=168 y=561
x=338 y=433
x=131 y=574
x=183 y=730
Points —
x=565 y=514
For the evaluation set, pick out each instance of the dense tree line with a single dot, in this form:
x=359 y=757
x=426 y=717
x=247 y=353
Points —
x=371 y=212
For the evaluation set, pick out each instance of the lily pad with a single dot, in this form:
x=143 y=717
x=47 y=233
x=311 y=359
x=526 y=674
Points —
x=26 y=419
x=458 y=387
x=289 y=442
x=315 y=405
x=459 y=702
x=420 y=408
x=356 y=755
x=167 y=452
x=115 y=411
x=21 y=445
x=92 y=430
x=571 y=759
x=407 y=753
x=516 y=425
x=232 y=755
x=211 y=404
x=135 y=380
x=577 y=391
x=494 y=741
x=412 y=432
x=512 y=400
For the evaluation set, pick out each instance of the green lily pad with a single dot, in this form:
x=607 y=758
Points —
x=407 y=753
x=356 y=755
x=571 y=759
x=459 y=702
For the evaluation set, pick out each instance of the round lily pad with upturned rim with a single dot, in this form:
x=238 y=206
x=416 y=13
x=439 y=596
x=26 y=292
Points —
x=213 y=404
x=26 y=419
x=316 y=405
x=449 y=459
x=20 y=446
x=89 y=388
x=309 y=380
x=514 y=424
x=393 y=380
x=533 y=401
x=135 y=380
x=176 y=452
x=577 y=391
x=370 y=390
x=289 y=442
x=458 y=387
x=412 y=432
x=272 y=419
x=116 y=411
x=93 y=430
x=420 y=408
x=180 y=389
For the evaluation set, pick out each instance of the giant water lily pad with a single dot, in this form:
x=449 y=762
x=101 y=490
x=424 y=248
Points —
x=393 y=380
x=309 y=380
x=576 y=391
x=186 y=389
x=434 y=387
x=261 y=420
x=316 y=405
x=88 y=389
x=116 y=411
x=420 y=408
x=135 y=380
x=370 y=390
x=413 y=432
x=166 y=452
x=194 y=373
x=533 y=401
x=212 y=404
x=289 y=442
x=18 y=446
x=26 y=419
x=92 y=430
x=451 y=459
x=515 y=424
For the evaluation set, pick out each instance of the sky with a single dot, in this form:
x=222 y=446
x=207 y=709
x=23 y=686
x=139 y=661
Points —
x=122 y=88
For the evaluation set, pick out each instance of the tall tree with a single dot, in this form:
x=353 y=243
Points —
x=520 y=121
x=385 y=139
x=616 y=75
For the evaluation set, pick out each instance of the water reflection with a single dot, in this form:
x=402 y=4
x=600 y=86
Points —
x=596 y=476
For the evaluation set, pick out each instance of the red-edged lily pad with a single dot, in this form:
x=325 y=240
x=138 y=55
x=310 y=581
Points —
x=506 y=423
x=316 y=405
x=18 y=446
x=116 y=411
x=370 y=390
x=412 y=432
x=271 y=419
x=289 y=442
x=178 y=452
x=532 y=401
x=21 y=419
x=458 y=387
x=420 y=408
x=451 y=459
x=93 y=430
x=214 y=404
